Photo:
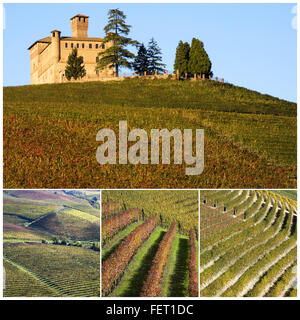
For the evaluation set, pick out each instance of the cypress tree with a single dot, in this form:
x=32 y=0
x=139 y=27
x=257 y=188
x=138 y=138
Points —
x=116 y=54
x=154 y=57
x=141 y=61
x=75 y=68
x=182 y=58
x=199 y=61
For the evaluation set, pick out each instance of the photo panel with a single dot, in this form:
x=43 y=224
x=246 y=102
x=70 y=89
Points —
x=248 y=243
x=150 y=243
x=51 y=243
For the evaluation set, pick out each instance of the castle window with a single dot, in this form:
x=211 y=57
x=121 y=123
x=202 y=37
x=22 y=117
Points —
x=79 y=18
x=97 y=59
x=72 y=45
x=53 y=34
x=78 y=45
x=66 y=45
x=83 y=19
x=83 y=46
x=96 y=45
x=90 y=46
x=103 y=46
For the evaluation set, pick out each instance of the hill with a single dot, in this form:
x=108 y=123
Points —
x=248 y=244
x=250 y=138
x=51 y=243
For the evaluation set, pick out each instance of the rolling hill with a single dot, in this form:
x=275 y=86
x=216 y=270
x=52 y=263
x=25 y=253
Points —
x=51 y=243
x=50 y=134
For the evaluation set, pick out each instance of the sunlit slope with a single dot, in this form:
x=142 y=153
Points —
x=248 y=244
x=250 y=138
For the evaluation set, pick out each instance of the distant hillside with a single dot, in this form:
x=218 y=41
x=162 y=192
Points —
x=42 y=214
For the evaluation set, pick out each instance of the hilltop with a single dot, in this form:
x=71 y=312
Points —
x=50 y=133
x=204 y=95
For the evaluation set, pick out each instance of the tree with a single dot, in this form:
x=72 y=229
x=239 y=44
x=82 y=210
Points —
x=182 y=58
x=199 y=61
x=141 y=61
x=154 y=57
x=75 y=68
x=116 y=54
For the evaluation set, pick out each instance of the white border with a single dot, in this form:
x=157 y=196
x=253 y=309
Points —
x=1 y=153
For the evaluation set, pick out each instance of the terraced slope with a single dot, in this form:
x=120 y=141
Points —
x=147 y=250
x=54 y=270
x=248 y=244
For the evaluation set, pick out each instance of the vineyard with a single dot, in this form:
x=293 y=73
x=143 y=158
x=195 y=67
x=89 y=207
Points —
x=248 y=243
x=150 y=243
x=50 y=134
x=51 y=243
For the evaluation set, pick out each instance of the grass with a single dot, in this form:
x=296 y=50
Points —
x=109 y=247
x=50 y=134
x=176 y=274
x=132 y=281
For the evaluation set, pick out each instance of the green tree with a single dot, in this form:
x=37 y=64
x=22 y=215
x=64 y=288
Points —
x=182 y=58
x=155 y=57
x=116 y=54
x=75 y=68
x=141 y=61
x=199 y=61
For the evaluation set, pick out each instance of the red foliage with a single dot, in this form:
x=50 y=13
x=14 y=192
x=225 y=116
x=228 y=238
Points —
x=151 y=285
x=115 y=265
x=193 y=270
x=111 y=225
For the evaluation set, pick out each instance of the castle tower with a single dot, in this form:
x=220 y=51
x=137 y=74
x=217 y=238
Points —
x=55 y=40
x=79 y=25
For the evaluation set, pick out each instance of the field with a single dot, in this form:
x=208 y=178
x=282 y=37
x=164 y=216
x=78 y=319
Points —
x=248 y=244
x=50 y=134
x=51 y=243
x=150 y=243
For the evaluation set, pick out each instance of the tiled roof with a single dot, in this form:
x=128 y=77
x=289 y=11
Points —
x=44 y=40
x=79 y=15
x=48 y=40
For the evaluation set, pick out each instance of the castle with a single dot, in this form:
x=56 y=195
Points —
x=48 y=56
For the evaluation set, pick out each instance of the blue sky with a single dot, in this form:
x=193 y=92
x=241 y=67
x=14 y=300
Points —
x=250 y=45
